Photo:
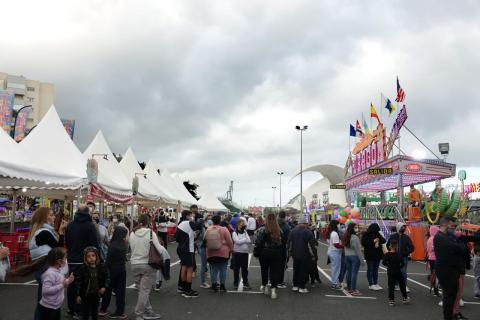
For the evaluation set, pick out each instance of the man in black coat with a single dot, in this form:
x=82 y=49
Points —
x=80 y=234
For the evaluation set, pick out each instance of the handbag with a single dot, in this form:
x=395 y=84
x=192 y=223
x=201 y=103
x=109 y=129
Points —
x=155 y=259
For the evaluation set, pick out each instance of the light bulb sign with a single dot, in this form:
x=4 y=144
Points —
x=369 y=151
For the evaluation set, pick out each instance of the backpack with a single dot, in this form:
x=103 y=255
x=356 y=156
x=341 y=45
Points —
x=213 y=238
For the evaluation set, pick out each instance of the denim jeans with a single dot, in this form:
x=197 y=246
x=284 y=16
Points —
x=202 y=251
x=336 y=265
x=372 y=271
x=352 y=264
x=404 y=269
x=216 y=269
x=343 y=269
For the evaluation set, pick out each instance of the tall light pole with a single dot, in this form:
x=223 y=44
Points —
x=280 y=173
x=301 y=129
x=273 y=188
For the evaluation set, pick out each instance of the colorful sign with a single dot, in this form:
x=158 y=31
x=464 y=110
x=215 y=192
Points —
x=69 y=126
x=338 y=186
x=399 y=122
x=472 y=187
x=6 y=110
x=381 y=171
x=369 y=151
x=21 y=124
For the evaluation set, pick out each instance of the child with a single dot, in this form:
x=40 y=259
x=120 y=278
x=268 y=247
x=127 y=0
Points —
x=116 y=261
x=476 y=271
x=53 y=285
x=394 y=264
x=92 y=281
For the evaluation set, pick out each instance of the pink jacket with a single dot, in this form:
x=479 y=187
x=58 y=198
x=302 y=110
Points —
x=227 y=243
x=430 y=250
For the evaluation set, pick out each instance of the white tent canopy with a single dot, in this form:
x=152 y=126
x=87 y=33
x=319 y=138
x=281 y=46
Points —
x=156 y=179
x=211 y=202
x=178 y=185
x=16 y=163
x=146 y=189
x=54 y=150
x=110 y=175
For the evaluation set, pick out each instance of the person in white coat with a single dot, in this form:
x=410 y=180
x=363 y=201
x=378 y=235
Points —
x=241 y=241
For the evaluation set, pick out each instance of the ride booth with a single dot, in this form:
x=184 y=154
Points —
x=371 y=170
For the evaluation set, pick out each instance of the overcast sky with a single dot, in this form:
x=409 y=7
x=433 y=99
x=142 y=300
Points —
x=214 y=89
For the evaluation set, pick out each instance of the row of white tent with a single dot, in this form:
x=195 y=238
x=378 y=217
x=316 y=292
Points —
x=47 y=161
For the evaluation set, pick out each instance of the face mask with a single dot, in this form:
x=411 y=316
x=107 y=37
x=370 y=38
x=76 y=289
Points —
x=355 y=229
x=451 y=231
x=115 y=220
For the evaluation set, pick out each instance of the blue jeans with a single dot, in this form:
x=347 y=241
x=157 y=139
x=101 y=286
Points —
x=218 y=268
x=343 y=269
x=336 y=265
x=202 y=251
x=372 y=271
x=352 y=264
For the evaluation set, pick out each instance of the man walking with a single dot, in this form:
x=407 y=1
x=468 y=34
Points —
x=302 y=248
x=449 y=252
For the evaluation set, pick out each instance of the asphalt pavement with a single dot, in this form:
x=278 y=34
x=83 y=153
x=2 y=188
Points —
x=17 y=298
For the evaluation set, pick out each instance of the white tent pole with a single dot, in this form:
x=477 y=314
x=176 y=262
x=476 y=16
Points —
x=14 y=209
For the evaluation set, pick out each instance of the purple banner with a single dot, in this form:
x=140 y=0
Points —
x=69 y=126
x=21 y=124
x=6 y=107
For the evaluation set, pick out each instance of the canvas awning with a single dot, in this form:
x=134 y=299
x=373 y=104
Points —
x=211 y=203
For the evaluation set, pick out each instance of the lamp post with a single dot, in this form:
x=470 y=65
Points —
x=301 y=129
x=273 y=188
x=280 y=173
x=15 y=114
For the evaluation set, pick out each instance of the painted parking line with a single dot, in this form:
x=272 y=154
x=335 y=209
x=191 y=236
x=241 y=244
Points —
x=350 y=297
x=31 y=282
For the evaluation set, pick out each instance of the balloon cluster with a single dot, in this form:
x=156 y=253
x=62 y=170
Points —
x=347 y=215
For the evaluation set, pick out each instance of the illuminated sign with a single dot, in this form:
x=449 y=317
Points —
x=338 y=186
x=369 y=151
x=472 y=187
x=381 y=171
x=413 y=167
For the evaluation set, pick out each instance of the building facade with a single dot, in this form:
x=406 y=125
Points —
x=39 y=95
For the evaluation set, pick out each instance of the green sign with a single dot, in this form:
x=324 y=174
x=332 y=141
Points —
x=380 y=171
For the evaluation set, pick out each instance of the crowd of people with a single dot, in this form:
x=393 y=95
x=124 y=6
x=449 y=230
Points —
x=89 y=259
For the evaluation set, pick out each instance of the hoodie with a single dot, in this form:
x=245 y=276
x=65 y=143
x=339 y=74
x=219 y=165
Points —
x=140 y=245
x=80 y=233
x=89 y=280
x=371 y=252
x=430 y=250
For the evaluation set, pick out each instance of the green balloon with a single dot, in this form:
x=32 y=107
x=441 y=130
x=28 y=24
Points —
x=343 y=214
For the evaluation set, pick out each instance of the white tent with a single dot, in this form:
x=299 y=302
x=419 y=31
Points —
x=178 y=185
x=17 y=164
x=110 y=175
x=159 y=182
x=146 y=189
x=54 y=150
x=211 y=202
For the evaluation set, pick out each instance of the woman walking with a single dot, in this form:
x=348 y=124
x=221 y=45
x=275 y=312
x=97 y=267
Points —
x=219 y=245
x=353 y=257
x=335 y=250
x=268 y=249
x=372 y=242
x=241 y=240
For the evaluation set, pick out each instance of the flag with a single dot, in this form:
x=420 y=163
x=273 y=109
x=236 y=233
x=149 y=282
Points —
x=365 y=126
x=400 y=93
x=6 y=110
x=373 y=113
x=353 y=133
x=358 y=129
x=69 y=126
x=21 y=124
x=390 y=107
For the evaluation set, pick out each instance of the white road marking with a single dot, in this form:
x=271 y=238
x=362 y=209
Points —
x=350 y=297
x=31 y=282
x=330 y=279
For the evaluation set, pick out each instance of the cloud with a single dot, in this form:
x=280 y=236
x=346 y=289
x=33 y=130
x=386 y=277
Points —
x=215 y=88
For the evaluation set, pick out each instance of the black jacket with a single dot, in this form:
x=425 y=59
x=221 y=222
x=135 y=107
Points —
x=285 y=228
x=405 y=245
x=370 y=252
x=393 y=262
x=117 y=254
x=83 y=279
x=450 y=252
x=301 y=244
x=80 y=233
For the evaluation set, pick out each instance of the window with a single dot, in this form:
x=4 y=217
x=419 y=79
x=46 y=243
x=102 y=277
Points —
x=30 y=89
x=30 y=99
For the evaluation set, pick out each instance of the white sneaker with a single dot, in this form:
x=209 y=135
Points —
x=376 y=287
x=461 y=303
x=274 y=293
x=205 y=286
x=294 y=288
x=371 y=287
x=303 y=290
x=440 y=303
x=397 y=288
x=265 y=290
x=408 y=289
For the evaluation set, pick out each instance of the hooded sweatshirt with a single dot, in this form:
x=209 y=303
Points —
x=89 y=279
x=371 y=252
x=80 y=233
x=140 y=244
x=430 y=249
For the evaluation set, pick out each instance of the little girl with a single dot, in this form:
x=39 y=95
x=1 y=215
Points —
x=53 y=285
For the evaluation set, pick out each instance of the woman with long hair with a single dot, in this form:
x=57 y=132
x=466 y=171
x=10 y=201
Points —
x=353 y=257
x=268 y=249
x=41 y=240
x=335 y=250
x=241 y=240
x=372 y=242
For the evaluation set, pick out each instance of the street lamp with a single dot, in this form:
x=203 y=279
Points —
x=273 y=188
x=280 y=173
x=301 y=129
x=15 y=114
